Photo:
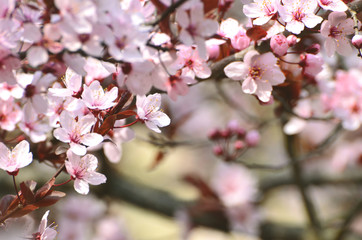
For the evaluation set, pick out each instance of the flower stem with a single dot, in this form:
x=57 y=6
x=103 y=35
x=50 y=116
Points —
x=16 y=189
x=60 y=184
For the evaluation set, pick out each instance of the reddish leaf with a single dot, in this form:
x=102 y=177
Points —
x=5 y=202
x=27 y=193
x=107 y=125
x=125 y=114
x=25 y=210
x=43 y=191
x=50 y=199
x=256 y=33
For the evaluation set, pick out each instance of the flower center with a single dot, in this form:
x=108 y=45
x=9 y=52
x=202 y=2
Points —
x=334 y=32
x=30 y=91
x=298 y=15
x=255 y=72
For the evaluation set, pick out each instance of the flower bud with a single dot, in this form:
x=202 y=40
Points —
x=238 y=145
x=292 y=40
x=217 y=150
x=279 y=45
x=252 y=138
x=357 y=41
x=214 y=134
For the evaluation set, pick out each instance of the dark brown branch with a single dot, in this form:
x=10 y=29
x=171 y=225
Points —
x=298 y=179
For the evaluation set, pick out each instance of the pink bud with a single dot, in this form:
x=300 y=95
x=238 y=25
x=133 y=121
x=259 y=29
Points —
x=252 y=138
x=357 y=41
x=214 y=134
x=218 y=151
x=233 y=125
x=292 y=40
x=279 y=45
x=239 y=145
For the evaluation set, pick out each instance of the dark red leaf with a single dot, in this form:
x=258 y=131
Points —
x=256 y=33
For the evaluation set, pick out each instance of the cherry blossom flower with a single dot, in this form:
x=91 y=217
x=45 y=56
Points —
x=333 y=5
x=77 y=133
x=195 y=28
x=298 y=14
x=95 y=97
x=72 y=82
x=45 y=232
x=177 y=85
x=83 y=171
x=234 y=184
x=10 y=115
x=258 y=72
x=191 y=64
x=32 y=125
x=261 y=10
x=335 y=30
x=136 y=76
x=345 y=99
x=10 y=91
x=35 y=87
x=148 y=111
x=19 y=157
x=231 y=29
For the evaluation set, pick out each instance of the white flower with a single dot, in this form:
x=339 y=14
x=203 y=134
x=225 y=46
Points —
x=94 y=96
x=45 y=232
x=19 y=157
x=77 y=133
x=83 y=171
x=148 y=110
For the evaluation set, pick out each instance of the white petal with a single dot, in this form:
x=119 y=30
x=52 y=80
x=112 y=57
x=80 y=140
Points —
x=236 y=71
x=95 y=178
x=81 y=186
x=37 y=55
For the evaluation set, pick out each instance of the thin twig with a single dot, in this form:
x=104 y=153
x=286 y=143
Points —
x=167 y=12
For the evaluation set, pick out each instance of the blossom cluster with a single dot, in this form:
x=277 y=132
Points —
x=77 y=74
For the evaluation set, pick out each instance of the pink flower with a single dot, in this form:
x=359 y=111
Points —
x=258 y=72
x=279 y=45
x=333 y=5
x=10 y=115
x=148 y=110
x=72 y=82
x=34 y=88
x=335 y=30
x=299 y=13
x=191 y=64
x=8 y=63
x=77 y=133
x=18 y=157
x=32 y=125
x=231 y=29
x=261 y=10
x=311 y=64
x=195 y=28
x=83 y=171
x=234 y=184
x=94 y=97
x=45 y=232
x=177 y=85
x=345 y=100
